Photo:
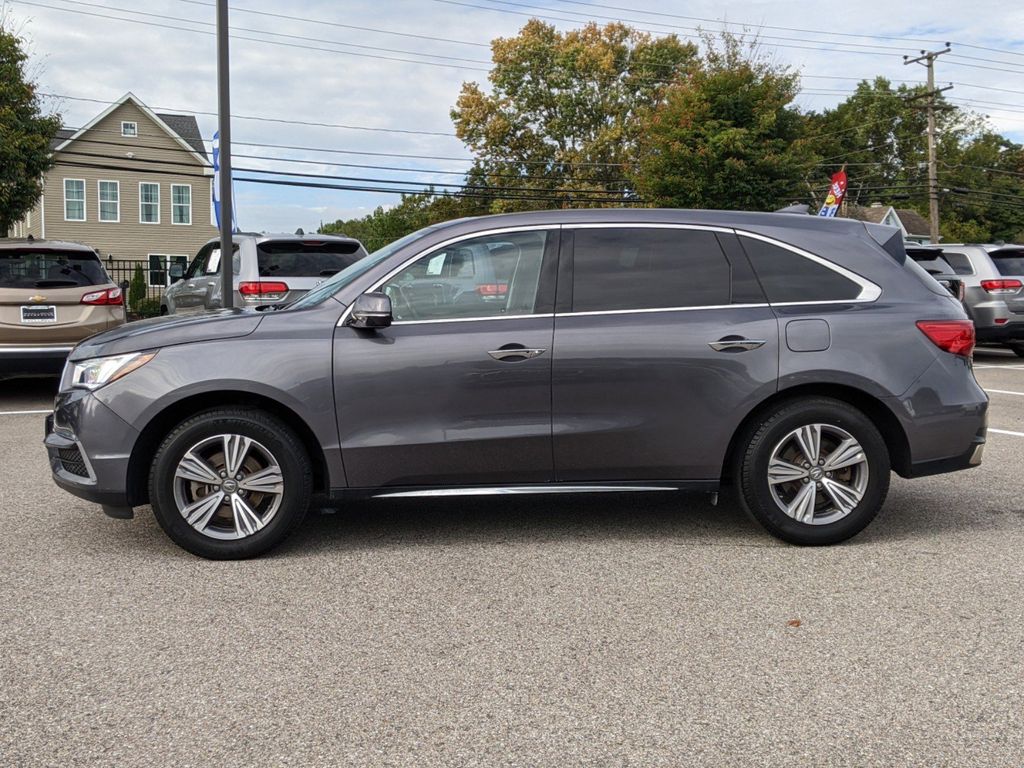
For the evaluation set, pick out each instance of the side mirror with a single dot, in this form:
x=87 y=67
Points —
x=371 y=310
x=176 y=272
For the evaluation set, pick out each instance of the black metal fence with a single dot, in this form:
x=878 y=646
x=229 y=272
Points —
x=122 y=271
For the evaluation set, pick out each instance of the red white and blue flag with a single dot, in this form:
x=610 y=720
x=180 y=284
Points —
x=836 y=191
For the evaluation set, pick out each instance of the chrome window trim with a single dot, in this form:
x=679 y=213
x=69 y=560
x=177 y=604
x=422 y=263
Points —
x=445 y=244
x=470 y=319
x=649 y=225
x=869 y=291
x=659 y=309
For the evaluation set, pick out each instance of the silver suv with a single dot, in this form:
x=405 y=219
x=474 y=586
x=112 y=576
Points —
x=267 y=269
x=993 y=277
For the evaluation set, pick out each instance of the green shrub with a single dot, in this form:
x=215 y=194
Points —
x=137 y=291
x=146 y=308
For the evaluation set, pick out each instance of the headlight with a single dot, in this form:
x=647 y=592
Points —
x=94 y=373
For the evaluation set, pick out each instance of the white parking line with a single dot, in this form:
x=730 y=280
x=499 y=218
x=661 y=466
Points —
x=1006 y=432
x=1005 y=392
x=1004 y=367
x=23 y=413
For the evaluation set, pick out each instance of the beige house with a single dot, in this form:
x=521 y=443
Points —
x=133 y=184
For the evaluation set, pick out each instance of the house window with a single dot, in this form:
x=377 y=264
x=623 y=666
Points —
x=149 y=203
x=110 y=200
x=129 y=129
x=74 y=199
x=160 y=267
x=181 y=203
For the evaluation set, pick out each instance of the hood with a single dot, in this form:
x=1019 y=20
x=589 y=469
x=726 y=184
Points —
x=168 y=331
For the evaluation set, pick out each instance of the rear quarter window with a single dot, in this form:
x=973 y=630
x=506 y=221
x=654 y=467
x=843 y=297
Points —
x=789 y=277
x=287 y=259
x=960 y=262
x=35 y=268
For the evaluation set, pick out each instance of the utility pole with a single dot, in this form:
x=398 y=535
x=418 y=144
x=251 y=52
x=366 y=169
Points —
x=927 y=59
x=224 y=127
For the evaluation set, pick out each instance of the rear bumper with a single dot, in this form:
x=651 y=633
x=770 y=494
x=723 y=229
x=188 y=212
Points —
x=1011 y=332
x=944 y=416
x=29 y=360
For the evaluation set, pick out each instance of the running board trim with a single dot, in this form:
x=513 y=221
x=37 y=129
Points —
x=522 y=490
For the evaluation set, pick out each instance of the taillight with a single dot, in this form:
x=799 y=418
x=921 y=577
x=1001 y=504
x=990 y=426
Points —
x=953 y=336
x=108 y=296
x=263 y=290
x=492 y=289
x=1002 y=286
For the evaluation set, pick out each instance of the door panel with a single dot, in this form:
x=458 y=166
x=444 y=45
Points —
x=426 y=404
x=643 y=397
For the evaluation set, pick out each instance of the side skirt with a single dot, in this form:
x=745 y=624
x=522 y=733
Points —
x=411 y=492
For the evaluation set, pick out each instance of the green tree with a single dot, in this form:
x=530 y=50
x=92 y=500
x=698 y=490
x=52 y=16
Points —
x=25 y=132
x=727 y=136
x=561 y=115
x=415 y=211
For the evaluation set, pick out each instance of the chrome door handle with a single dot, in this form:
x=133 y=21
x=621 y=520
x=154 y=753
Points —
x=736 y=344
x=509 y=352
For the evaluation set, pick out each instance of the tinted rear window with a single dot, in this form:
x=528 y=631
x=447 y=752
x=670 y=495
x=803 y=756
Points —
x=33 y=268
x=647 y=269
x=1009 y=261
x=306 y=259
x=789 y=277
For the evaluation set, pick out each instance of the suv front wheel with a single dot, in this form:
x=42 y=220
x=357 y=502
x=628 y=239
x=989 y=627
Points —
x=230 y=483
x=814 y=472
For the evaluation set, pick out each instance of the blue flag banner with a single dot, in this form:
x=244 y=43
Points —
x=216 y=186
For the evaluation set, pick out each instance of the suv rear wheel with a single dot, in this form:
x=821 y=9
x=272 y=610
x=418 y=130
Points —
x=814 y=472
x=230 y=483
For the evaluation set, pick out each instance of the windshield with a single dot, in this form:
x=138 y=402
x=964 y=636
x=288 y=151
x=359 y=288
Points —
x=35 y=268
x=330 y=287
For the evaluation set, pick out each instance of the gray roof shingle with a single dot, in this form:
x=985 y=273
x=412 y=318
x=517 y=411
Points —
x=187 y=128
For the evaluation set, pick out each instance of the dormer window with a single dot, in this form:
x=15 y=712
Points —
x=130 y=130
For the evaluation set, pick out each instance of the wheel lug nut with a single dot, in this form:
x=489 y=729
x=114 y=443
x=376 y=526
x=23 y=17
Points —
x=821 y=462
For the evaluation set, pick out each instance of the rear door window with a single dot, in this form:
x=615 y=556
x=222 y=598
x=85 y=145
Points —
x=1009 y=261
x=36 y=268
x=788 y=277
x=647 y=268
x=306 y=259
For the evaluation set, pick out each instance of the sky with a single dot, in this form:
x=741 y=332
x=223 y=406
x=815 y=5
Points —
x=320 y=65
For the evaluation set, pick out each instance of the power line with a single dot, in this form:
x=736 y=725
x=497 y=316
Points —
x=308 y=123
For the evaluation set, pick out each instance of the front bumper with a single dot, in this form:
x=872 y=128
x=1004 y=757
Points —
x=89 y=447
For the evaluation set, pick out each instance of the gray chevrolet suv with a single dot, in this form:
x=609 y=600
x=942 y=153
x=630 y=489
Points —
x=267 y=270
x=993 y=277
x=796 y=359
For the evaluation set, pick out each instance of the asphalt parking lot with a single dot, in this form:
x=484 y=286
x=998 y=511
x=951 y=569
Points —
x=633 y=630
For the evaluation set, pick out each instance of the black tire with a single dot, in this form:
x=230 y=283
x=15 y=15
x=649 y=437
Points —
x=755 y=452
x=270 y=434
x=1018 y=349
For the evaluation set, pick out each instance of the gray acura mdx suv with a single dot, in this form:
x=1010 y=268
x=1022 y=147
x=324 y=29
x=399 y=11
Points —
x=796 y=358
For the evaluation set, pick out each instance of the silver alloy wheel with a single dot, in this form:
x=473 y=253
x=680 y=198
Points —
x=818 y=474
x=228 y=486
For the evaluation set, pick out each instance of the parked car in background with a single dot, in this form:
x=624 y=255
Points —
x=267 y=270
x=53 y=294
x=800 y=359
x=994 y=290
x=931 y=260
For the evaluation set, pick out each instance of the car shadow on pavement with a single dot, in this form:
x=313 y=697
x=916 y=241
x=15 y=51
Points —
x=684 y=518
